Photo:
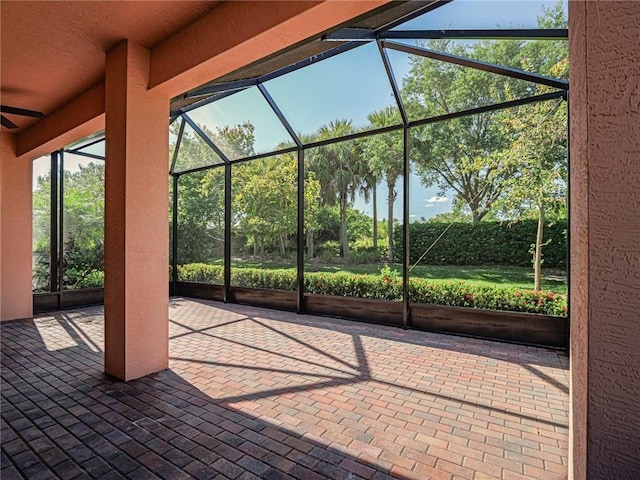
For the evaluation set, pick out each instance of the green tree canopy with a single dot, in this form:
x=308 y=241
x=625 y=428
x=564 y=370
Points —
x=465 y=154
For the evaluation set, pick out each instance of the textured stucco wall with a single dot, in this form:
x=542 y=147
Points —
x=605 y=162
x=15 y=233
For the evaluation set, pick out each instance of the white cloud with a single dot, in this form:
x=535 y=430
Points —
x=430 y=205
x=436 y=199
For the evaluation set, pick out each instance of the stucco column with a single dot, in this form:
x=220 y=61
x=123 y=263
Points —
x=136 y=217
x=16 y=300
x=604 y=54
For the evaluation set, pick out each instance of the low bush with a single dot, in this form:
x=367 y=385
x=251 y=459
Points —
x=260 y=278
x=201 y=273
x=385 y=286
x=92 y=279
x=462 y=294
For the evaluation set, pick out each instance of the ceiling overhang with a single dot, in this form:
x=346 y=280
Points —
x=51 y=57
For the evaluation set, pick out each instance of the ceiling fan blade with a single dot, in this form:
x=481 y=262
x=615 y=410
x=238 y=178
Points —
x=20 y=111
x=6 y=123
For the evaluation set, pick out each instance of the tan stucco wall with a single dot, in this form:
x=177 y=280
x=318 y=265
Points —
x=136 y=295
x=15 y=233
x=605 y=239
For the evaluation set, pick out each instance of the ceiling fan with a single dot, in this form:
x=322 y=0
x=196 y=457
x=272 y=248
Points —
x=6 y=123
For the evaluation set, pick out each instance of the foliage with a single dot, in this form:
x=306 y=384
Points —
x=83 y=227
x=201 y=216
x=201 y=273
x=41 y=232
x=201 y=194
x=384 y=153
x=264 y=200
x=483 y=243
x=466 y=154
x=387 y=285
x=461 y=154
x=361 y=254
x=538 y=157
x=460 y=294
x=338 y=168
x=454 y=216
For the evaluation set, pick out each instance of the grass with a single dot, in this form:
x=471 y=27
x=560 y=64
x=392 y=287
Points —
x=506 y=276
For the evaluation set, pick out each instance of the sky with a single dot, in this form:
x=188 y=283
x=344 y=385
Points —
x=350 y=86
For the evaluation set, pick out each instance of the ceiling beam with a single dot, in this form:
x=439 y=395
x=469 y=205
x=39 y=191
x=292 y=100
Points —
x=237 y=34
x=82 y=116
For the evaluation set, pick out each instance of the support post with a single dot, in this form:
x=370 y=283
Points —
x=174 y=231
x=406 y=314
x=136 y=217
x=300 y=231
x=60 y=238
x=53 y=225
x=604 y=426
x=227 y=232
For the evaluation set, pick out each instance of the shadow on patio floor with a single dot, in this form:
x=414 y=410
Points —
x=243 y=404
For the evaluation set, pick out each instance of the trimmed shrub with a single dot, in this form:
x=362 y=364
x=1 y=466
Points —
x=462 y=294
x=385 y=286
x=350 y=285
x=201 y=273
x=484 y=243
x=259 y=278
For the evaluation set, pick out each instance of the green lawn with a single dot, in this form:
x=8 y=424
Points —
x=508 y=276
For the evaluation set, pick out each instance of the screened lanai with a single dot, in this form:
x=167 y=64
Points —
x=410 y=172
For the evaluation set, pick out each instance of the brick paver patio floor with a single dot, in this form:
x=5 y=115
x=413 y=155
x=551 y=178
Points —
x=255 y=393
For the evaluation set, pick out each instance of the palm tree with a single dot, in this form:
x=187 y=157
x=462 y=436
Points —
x=337 y=168
x=368 y=191
x=385 y=154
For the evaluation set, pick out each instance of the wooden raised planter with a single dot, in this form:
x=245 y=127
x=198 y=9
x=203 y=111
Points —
x=529 y=328
x=366 y=309
x=46 y=302
x=200 y=290
x=526 y=328
x=261 y=297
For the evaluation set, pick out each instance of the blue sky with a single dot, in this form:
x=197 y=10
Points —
x=473 y=14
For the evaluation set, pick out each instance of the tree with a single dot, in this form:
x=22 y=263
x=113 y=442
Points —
x=369 y=192
x=384 y=153
x=338 y=169
x=83 y=227
x=265 y=198
x=539 y=157
x=455 y=216
x=461 y=154
x=201 y=194
x=235 y=141
x=464 y=154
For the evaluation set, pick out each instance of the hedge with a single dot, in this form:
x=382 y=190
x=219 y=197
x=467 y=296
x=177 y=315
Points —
x=385 y=287
x=484 y=243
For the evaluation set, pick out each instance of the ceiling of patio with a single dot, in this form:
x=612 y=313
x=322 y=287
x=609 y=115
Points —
x=51 y=51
